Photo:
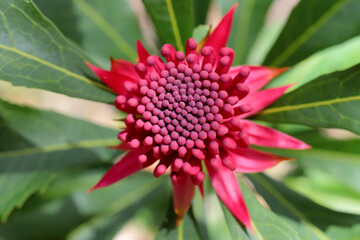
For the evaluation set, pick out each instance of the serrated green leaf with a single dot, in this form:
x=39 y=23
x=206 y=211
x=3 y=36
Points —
x=34 y=54
x=310 y=219
x=323 y=26
x=174 y=20
x=331 y=100
x=102 y=29
x=36 y=145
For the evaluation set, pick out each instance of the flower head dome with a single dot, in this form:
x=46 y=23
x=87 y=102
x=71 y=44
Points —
x=189 y=112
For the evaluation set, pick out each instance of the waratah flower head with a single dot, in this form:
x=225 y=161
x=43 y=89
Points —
x=189 y=112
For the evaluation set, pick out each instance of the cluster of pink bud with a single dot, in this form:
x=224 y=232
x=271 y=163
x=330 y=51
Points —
x=183 y=111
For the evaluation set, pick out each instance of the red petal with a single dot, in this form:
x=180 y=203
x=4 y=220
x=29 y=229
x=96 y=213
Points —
x=268 y=137
x=113 y=80
x=259 y=76
x=124 y=68
x=260 y=100
x=122 y=146
x=183 y=193
x=125 y=167
x=142 y=52
x=250 y=160
x=220 y=35
x=228 y=190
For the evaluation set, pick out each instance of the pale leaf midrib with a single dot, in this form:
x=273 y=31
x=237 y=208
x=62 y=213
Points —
x=257 y=232
x=60 y=147
x=308 y=33
x=174 y=25
x=309 y=105
x=53 y=66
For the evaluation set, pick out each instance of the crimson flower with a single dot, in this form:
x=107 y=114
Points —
x=189 y=113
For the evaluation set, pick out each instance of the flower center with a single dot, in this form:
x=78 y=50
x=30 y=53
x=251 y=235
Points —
x=186 y=105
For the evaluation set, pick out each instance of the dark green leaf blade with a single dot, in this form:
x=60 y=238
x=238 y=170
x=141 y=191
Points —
x=310 y=218
x=140 y=192
x=312 y=26
x=34 y=54
x=344 y=167
x=331 y=100
x=335 y=58
x=102 y=30
x=174 y=20
x=321 y=186
x=236 y=230
x=97 y=215
x=186 y=229
x=248 y=20
x=36 y=145
x=266 y=224
x=201 y=8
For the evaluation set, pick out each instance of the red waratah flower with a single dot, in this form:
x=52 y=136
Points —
x=189 y=113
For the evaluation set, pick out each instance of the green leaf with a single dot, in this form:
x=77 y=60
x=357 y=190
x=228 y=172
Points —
x=99 y=214
x=248 y=21
x=331 y=100
x=318 y=140
x=186 y=229
x=101 y=29
x=335 y=58
x=174 y=20
x=345 y=167
x=265 y=223
x=201 y=10
x=237 y=231
x=200 y=32
x=310 y=219
x=62 y=14
x=324 y=189
x=209 y=215
x=36 y=145
x=34 y=54
x=322 y=26
x=337 y=233
x=144 y=191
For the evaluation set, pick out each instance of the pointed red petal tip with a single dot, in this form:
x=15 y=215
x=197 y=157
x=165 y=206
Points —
x=220 y=35
x=124 y=68
x=227 y=188
x=142 y=52
x=127 y=166
x=261 y=99
x=251 y=161
x=112 y=80
x=268 y=137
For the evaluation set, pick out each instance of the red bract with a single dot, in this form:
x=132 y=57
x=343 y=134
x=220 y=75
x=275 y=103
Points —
x=189 y=113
